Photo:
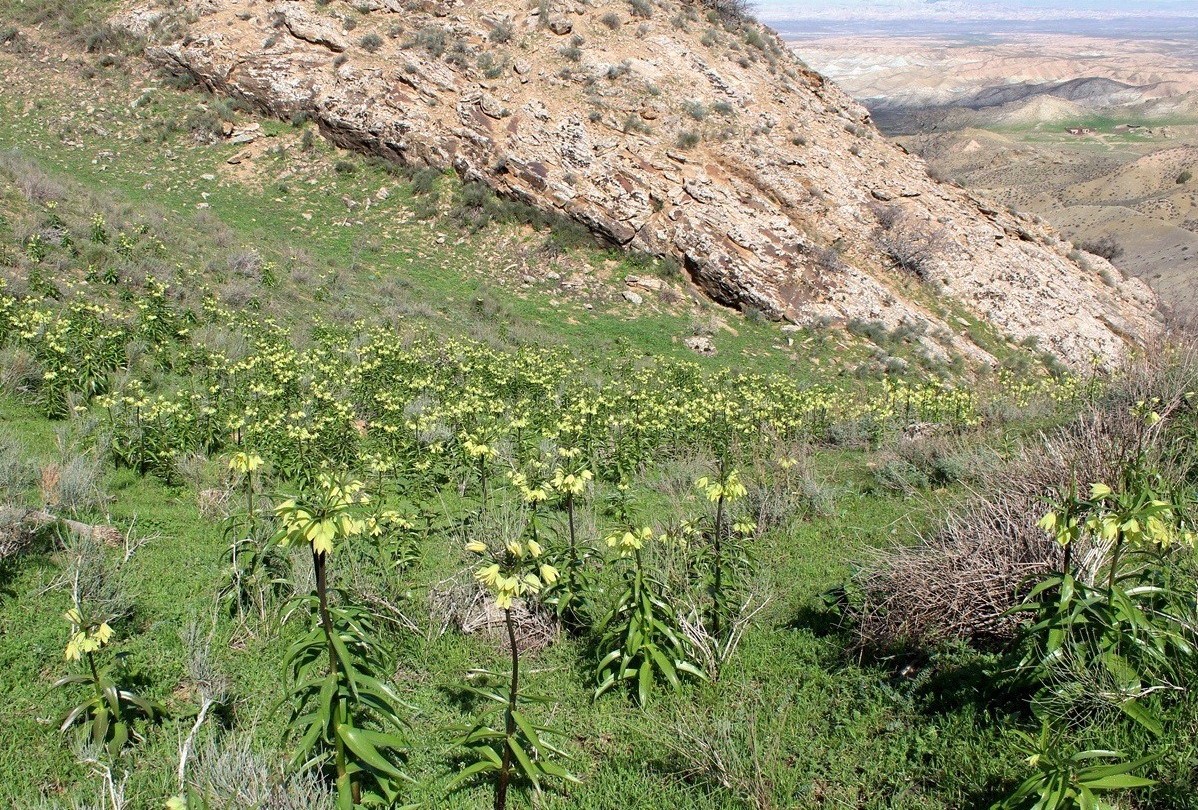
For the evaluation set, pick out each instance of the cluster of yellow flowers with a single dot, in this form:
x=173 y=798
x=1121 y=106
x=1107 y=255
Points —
x=514 y=571
x=1136 y=519
x=631 y=541
x=85 y=638
x=325 y=517
x=730 y=489
x=244 y=463
x=358 y=391
x=571 y=483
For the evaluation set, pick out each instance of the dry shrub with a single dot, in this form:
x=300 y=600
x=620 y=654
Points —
x=17 y=472
x=959 y=582
x=214 y=504
x=79 y=484
x=94 y=577
x=16 y=533
x=916 y=462
x=19 y=370
x=73 y=486
x=744 y=752
x=776 y=496
x=233 y=772
x=911 y=243
x=34 y=184
x=463 y=604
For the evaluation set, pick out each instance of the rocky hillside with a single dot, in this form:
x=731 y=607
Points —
x=670 y=129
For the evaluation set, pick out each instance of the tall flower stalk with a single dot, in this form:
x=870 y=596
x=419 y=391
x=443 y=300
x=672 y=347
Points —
x=510 y=572
x=330 y=710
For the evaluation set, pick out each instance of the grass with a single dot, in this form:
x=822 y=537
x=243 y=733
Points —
x=1104 y=127
x=796 y=720
x=444 y=271
x=860 y=736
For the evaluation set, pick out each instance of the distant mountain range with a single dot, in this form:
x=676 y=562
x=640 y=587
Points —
x=953 y=10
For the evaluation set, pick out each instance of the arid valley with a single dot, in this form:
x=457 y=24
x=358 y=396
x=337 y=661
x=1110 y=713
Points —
x=1096 y=134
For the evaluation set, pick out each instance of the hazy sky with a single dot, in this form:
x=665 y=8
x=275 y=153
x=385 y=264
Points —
x=981 y=8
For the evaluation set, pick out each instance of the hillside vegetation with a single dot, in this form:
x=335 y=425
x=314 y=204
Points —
x=303 y=454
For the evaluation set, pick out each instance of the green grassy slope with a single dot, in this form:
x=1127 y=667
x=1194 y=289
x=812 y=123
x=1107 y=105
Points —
x=796 y=720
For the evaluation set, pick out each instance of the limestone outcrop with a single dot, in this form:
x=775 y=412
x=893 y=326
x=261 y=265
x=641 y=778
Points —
x=669 y=130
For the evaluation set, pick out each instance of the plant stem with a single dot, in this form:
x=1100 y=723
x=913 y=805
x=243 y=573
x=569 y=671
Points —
x=249 y=500
x=505 y=771
x=91 y=664
x=326 y=621
x=718 y=584
x=482 y=475
x=1110 y=581
x=573 y=572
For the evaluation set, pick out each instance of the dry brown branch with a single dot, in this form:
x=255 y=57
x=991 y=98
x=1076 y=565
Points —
x=18 y=527
x=960 y=581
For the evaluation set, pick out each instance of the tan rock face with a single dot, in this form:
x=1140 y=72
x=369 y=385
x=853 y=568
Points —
x=675 y=135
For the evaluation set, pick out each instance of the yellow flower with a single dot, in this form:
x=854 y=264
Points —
x=76 y=646
x=631 y=541
x=245 y=462
x=476 y=547
x=549 y=574
x=103 y=633
x=489 y=576
x=571 y=483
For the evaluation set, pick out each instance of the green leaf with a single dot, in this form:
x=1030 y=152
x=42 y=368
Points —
x=644 y=683
x=605 y=685
x=100 y=723
x=527 y=766
x=1119 y=782
x=666 y=668
x=466 y=773
x=530 y=732
x=553 y=769
x=363 y=746
x=1142 y=715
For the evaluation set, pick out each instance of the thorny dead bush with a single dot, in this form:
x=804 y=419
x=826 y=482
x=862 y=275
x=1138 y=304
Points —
x=731 y=11
x=16 y=533
x=462 y=604
x=959 y=582
x=911 y=243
